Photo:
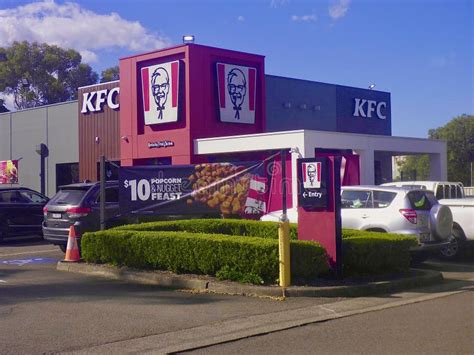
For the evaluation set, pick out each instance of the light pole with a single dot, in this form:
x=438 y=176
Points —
x=43 y=151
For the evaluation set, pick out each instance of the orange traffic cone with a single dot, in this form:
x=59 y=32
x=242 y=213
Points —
x=72 y=250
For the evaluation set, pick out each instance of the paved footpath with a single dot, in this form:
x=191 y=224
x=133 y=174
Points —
x=43 y=310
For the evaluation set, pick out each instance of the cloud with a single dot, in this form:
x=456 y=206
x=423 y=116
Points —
x=304 y=18
x=9 y=101
x=88 y=56
x=339 y=9
x=241 y=18
x=277 y=3
x=69 y=25
x=442 y=61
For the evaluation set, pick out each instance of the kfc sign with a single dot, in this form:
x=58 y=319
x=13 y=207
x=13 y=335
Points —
x=365 y=108
x=94 y=101
x=236 y=88
x=160 y=89
x=312 y=182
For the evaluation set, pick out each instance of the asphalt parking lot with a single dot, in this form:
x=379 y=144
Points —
x=44 y=310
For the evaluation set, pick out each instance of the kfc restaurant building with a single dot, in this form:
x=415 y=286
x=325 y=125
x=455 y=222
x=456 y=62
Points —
x=193 y=104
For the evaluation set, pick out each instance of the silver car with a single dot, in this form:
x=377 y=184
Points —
x=397 y=210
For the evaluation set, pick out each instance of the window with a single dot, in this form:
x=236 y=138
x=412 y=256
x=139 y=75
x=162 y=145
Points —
x=111 y=195
x=32 y=197
x=111 y=170
x=12 y=197
x=421 y=200
x=452 y=189
x=440 y=192
x=356 y=199
x=67 y=173
x=383 y=199
x=68 y=197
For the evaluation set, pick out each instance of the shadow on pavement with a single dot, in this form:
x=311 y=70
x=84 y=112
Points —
x=86 y=289
x=24 y=241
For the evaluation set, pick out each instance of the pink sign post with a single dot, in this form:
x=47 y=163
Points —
x=319 y=205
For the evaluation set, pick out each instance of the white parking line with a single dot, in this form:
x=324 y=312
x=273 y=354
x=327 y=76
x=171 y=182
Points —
x=29 y=252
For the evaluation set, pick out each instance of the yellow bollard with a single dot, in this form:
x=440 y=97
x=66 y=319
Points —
x=284 y=252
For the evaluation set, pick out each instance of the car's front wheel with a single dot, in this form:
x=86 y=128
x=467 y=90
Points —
x=453 y=249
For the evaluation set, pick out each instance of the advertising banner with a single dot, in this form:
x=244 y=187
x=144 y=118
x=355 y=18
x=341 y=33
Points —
x=237 y=189
x=160 y=85
x=236 y=87
x=312 y=181
x=9 y=172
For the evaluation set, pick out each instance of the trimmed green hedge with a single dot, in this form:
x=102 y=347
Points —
x=242 y=258
x=365 y=253
x=239 y=227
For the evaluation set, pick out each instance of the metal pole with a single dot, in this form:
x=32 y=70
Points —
x=42 y=174
x=284 y=231
x=283 y=178
x=102 y=192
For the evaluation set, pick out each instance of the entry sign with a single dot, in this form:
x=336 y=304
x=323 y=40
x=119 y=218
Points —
x=312 y=182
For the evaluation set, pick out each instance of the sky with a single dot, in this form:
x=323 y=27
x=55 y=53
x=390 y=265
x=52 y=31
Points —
x=421 y=51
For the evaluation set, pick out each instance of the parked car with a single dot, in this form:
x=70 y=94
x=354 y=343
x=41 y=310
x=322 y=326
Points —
x=21 y=212
x=442 y=189
x=393 y=210
x=397 y=210
x=450 y=194
x=79 y=205
x=463 y=225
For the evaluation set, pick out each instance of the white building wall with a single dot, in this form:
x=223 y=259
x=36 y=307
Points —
x=306 y=141
x=22 y=131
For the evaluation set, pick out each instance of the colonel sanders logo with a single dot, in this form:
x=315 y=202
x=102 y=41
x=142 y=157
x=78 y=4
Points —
x=160 y=84
x=236 y=85
x=311 y=175
x=160 y=93
x=237 y=88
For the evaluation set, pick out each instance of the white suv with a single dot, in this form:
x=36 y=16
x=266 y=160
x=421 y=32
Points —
x=397 y=210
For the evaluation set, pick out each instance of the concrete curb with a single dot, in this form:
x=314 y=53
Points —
x=201 y=284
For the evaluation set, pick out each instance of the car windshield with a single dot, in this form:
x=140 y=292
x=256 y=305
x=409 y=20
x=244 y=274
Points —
x=68 y=197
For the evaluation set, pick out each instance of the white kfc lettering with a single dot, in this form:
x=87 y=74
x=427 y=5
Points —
x=379 y=111
x=359 y=108
x=94 y=101
x=101 y=95
x=372 y=106
x=113 y=93
x=87 y=105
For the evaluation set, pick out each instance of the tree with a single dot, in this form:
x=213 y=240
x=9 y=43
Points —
x=459 y=135
x=414 y=167
x=110 y=74
x=39 y=74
